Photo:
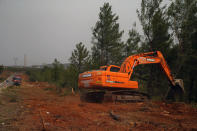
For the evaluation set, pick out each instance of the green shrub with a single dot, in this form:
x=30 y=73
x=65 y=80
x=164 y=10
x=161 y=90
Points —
x=1 y=68
x=10 y=92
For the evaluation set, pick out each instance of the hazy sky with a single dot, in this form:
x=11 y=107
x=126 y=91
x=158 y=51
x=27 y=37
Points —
x=48 y=29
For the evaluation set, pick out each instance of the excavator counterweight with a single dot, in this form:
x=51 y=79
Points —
x=116 y=80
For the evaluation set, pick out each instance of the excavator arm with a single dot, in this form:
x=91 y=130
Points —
x=149 y=58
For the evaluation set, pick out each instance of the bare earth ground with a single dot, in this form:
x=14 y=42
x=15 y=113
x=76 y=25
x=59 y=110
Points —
x=32 y=107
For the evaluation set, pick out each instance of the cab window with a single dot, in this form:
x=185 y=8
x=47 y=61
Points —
x=103 y=69
x=114 y=69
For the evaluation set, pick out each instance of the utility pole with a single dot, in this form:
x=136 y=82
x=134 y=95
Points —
x=15 y=61
x=25 y=60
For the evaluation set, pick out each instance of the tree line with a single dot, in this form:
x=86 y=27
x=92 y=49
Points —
x=171 y=29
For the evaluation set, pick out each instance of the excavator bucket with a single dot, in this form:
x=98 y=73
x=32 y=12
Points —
x=179 y=85
x=177 y=91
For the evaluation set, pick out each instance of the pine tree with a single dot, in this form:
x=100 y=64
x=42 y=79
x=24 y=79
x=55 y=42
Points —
x=1 y=68
x=107 y=45
x=155 y=26
x=182 y=18
x=57 y=70
x=79 y=61
x=133 y=42
x=80 y=57
x=156 y=37
x=183 y=21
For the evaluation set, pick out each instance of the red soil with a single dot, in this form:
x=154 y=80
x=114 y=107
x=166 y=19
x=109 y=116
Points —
x=45 y=110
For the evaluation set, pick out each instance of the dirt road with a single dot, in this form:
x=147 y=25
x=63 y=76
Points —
x=34 y=107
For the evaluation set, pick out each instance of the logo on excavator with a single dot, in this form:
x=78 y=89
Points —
x=151 y=60
x=142 y=59
x=86 y=75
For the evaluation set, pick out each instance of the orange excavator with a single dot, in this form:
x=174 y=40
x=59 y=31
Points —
x=113 y=82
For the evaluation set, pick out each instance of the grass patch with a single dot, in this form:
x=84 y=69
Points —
x=155 y=98
x=59 y=90
x=2 y=79
x=194 y=105
x=48 y=89
x=11 y=93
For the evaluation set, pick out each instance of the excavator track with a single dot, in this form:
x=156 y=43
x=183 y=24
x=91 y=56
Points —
x=123 y=96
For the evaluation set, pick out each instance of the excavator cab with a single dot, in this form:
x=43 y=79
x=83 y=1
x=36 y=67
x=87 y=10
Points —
x=112 y=68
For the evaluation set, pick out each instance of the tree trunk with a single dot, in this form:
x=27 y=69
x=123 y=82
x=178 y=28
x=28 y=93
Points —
x=191 y=89
x=150 y=82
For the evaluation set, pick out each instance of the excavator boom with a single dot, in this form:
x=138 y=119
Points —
x=147 y=58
